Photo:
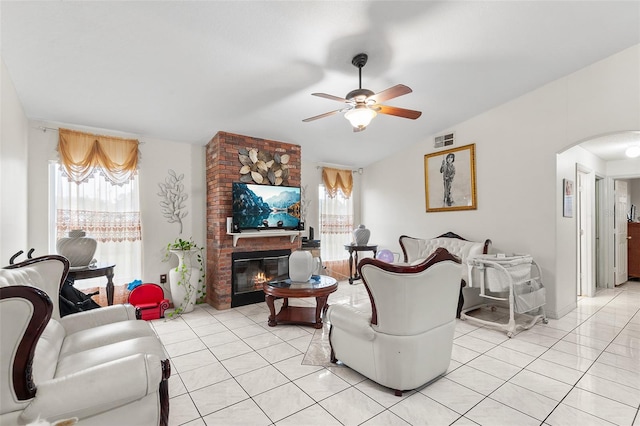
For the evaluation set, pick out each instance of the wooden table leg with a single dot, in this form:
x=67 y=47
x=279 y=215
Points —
x=320 y=305
x=272 y=310
x=355 y=275
x=110 y=291
x=351 y=266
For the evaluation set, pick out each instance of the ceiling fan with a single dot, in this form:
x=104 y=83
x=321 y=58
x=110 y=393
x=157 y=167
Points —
x=363 y=105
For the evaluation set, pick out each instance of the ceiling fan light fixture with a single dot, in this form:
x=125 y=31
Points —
x=360 y=116
x=633 y=151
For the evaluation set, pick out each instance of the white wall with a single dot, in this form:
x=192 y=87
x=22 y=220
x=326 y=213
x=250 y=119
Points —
x=310 y=178
x=157 y=157
x=13 y=170
x=518 y=192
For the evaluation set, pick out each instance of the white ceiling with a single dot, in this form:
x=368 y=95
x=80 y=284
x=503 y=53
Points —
x=182 y=71
x=612 y=147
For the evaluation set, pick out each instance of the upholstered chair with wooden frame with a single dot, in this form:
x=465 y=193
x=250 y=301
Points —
x=102 y=366
x=415 y=249
x=407 y=338
x=149 y=298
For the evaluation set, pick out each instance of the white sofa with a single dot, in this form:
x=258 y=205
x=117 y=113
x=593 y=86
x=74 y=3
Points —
x=101 y=366
x=407 y=338
x=416 y=249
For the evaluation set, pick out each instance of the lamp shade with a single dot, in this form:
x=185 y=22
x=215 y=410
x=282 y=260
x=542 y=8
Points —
x=360 y=116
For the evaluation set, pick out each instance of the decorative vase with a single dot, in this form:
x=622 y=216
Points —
x=78 y=248
x=361 y=235
x=183 y=281
x=302 y=265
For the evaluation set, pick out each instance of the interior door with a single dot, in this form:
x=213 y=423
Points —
x=600 y=279
x=620 y=234
x=585 y=232
x=582 y=222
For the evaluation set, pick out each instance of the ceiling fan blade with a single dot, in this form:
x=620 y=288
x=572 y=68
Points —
x=390 y=93
x=331 y=97
x=326 y=114
x=399 y=112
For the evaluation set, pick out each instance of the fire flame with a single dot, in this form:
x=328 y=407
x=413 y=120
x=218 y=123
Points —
x=260 y=278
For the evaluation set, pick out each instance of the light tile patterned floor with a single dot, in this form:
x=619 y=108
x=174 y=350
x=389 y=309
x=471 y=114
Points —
x=230 y=368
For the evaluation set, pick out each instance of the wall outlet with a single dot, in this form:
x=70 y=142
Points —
x=163 y=278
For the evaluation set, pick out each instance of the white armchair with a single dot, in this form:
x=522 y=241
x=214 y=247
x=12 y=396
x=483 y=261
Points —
x=102 y=366
x=407 y=338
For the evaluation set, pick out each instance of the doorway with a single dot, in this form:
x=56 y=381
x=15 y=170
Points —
x=620 y=207
x=600 y=258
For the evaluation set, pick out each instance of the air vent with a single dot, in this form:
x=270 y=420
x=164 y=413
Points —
x=444 y=140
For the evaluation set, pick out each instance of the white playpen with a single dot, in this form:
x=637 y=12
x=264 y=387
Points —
x=515 y=279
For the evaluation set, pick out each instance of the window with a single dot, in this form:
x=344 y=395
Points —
x=336 y=219
x=336 y=224
x=95 y=189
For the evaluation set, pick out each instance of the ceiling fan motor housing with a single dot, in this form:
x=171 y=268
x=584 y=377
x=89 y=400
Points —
x=359 y=95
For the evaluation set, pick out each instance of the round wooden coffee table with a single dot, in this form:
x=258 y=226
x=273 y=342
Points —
x=319 y=286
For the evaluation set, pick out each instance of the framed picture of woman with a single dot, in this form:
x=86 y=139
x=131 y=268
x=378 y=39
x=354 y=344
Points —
x=450 y=179
x=567 y=198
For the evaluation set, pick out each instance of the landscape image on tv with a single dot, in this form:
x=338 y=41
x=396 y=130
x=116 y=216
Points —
x=264 y=206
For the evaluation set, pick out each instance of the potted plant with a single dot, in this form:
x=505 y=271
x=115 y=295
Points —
x=187 y=279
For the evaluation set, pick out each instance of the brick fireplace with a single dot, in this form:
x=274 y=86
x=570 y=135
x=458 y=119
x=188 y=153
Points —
x=222 y=169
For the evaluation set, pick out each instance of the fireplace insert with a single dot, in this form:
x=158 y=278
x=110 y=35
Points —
x=251 y=269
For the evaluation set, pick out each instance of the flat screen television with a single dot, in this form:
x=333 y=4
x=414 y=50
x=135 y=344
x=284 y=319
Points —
x=265 y=206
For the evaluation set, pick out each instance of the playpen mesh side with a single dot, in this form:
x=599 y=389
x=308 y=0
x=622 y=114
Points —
x=529 y=296
x=518 y=270
x=495 y=279
x=529 y=293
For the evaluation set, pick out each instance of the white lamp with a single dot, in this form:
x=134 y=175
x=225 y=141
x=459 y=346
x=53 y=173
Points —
x=360 y=116
x=633 y=151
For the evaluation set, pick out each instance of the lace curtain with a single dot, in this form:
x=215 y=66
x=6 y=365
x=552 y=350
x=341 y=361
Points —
x=83 y=154
x=336 y=225
x=108 y=213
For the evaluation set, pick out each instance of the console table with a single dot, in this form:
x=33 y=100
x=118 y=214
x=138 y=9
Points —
x=101 y=270
x=355 y=249
x=319 y=286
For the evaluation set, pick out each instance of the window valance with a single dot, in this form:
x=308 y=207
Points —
x=337 y=179
x=81 y=154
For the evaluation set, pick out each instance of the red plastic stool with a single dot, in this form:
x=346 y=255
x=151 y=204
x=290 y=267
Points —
x=150 y=299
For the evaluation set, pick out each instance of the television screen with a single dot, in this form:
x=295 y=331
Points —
x=264 y=206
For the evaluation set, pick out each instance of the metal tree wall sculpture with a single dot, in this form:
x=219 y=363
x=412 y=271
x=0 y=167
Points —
x=173 y=198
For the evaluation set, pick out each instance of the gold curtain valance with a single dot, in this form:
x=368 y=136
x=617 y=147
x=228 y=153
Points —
x=336 y=179
x=82 y=153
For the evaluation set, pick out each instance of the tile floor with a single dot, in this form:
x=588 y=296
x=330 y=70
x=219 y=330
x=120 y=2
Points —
x=230 y=368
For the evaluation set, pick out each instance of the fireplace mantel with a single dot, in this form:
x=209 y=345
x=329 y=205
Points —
x=264 y=234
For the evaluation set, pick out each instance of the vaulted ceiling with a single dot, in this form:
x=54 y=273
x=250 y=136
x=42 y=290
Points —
x=182 y=70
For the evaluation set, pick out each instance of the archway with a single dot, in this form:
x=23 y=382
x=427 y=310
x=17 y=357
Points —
x=589 y=236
